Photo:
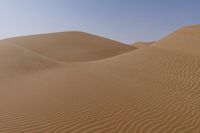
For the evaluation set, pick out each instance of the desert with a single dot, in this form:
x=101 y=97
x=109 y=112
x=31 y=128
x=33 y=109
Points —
x=76 y=82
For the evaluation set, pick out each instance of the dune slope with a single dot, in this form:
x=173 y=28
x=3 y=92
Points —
x=150 y=90
x=185 y=40
x=71 y=46
x=16 y=60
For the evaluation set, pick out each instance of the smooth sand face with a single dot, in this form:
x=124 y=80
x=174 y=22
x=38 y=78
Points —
x=184 y=40
x=72 y=46
x=150 y=90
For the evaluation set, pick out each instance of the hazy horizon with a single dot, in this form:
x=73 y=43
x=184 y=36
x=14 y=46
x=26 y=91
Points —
x=126 y=21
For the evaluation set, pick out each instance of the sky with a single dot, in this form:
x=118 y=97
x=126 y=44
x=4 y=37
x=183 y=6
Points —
x=126 y=21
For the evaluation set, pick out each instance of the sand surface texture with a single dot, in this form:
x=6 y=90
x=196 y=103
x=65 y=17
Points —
x=79 y=83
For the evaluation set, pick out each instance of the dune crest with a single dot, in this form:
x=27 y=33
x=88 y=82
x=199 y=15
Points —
x=72 y=46
x=183 y=40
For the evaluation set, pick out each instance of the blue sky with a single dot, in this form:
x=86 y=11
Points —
x=122 y=20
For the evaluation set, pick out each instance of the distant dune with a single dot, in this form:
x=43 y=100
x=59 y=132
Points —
x=142 y=44
x=79 y=83
x=71 y=46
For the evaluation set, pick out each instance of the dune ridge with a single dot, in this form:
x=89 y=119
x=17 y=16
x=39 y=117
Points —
x=72 y=46
x=184 y=40
x=150 y=90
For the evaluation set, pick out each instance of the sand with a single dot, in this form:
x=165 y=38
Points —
x=150 y=90
x=71 y=46
x=142 y=44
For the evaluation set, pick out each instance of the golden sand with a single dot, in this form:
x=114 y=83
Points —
x=80 y=83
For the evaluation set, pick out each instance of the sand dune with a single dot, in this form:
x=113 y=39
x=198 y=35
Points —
x=184 y=40
x=15 y=60
x=142 y=44
x=71 y=46
x=150 y=90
